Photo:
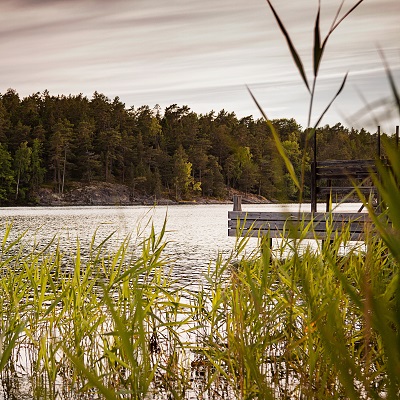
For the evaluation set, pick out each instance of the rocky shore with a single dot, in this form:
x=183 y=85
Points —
x=111 y=194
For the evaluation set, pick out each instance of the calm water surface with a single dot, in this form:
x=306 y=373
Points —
x=195 y=233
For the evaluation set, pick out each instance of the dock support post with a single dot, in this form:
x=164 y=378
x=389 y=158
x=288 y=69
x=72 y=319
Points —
x=379 y=141
x=313 y=187
x=237 y=203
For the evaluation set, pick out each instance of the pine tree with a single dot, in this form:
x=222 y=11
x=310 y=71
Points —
x=6 y=175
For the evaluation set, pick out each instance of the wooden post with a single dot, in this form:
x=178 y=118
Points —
x=237 y=203
x=315 y=145
x=379 y=198
x=329 y=197
x=379 y=141
x=313 y=187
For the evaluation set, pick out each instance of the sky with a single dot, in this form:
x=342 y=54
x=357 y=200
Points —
x=204 y=54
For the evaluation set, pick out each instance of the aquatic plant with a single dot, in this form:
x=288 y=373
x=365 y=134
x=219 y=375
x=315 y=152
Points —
x=318 y=324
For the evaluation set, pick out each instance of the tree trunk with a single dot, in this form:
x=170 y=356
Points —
x=63 y=176
x=17 y=191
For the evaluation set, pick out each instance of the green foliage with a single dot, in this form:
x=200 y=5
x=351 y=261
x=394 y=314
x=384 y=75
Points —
x=183 y=180
x=37 y=170
x=98 y=139
x=6 y=174
x=60 y=146
x=318 y=51
x=212 y=180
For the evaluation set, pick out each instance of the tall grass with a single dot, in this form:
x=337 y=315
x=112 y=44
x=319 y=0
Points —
x=315 y=325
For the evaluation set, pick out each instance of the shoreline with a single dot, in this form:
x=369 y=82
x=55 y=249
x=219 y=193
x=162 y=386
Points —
x=113 y=194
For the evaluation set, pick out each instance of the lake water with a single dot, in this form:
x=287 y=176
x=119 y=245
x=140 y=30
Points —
x=195 y=233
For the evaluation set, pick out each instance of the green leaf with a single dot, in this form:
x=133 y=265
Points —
x=91 y=377
x=335 y=25
x=295 y=56
x=391 y=81
x=5 y=355
x=331 y=102
x=279 y=146
x=317 y=43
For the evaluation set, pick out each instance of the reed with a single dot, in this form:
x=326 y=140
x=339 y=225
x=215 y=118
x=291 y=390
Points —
x=317 y=324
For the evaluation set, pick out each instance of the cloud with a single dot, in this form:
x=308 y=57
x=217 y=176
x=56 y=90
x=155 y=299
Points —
x=195 y=50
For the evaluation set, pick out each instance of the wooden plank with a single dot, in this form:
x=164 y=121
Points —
x=257 y=224
x=349 y=163
x=344 y=169
x=325 y=177
x=348 y=167
x=355 y=226
x=355 y=236
x=323 y=190
x=293 y=216
x=271 y=234
x=344 y=173
x=278 y=224
x=263 y=215
x=359 y=176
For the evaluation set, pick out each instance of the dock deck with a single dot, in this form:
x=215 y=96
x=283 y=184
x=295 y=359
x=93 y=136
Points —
x=304 y=225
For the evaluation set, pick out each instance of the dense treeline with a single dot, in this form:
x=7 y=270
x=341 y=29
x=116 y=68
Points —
x=55 y=140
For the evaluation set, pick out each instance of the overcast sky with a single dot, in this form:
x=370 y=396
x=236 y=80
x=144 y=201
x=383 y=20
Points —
x=201 y=53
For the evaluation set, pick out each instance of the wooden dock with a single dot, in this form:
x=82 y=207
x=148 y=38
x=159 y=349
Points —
x=304 y=225
x=331 y=181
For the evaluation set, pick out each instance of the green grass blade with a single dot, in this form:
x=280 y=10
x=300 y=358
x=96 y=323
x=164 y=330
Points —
x=318 y=51
x=5 y=236
x=278 y=143
x=331 y=102
x=391 y=81
x=91 y=377
x=5 y=355
x=293 y=51
x=344 y=17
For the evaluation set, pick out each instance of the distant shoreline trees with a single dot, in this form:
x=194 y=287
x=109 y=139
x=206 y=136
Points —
x=55 y=140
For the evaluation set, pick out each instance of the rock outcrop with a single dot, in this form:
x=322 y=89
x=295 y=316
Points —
x=113 y=194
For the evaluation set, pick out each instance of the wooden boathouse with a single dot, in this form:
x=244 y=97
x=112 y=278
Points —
x=331 y=180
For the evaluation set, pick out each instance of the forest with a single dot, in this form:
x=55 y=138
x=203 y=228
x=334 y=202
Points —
x=55 y=141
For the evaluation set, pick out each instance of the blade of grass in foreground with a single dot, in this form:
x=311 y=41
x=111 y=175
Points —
x=91 y=377
x=278 y=143
x=7 y=343
x=293 y=50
